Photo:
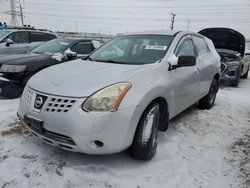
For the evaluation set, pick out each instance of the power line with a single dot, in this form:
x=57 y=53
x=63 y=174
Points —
x=133 y=19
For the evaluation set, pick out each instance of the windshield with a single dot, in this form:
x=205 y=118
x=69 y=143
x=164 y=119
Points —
x=3 y=33
x=53 y=47
x=134 y=49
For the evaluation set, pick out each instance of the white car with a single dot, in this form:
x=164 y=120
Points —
x=122 y=94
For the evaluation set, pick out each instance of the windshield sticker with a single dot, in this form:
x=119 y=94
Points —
x=156 y=47
x=64 y=43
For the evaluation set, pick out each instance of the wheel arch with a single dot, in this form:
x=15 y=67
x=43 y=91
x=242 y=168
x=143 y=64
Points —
x=217 y=78
x=164 y=112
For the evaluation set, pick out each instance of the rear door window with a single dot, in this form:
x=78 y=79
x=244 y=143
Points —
x=82 y=48
x=38 y=37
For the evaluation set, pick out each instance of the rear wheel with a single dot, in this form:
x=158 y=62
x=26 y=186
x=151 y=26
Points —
x=145 y=140
x=207 y=102
x=246 y=74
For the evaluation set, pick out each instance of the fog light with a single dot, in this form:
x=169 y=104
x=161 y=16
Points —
x=96 y=144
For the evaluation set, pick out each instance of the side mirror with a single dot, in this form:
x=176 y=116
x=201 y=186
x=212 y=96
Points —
x=184 y=61
x=9 y=42
x=69 y=55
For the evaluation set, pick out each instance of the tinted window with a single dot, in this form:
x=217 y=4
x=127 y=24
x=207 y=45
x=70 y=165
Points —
x=201 y=46
x=38 y=37
x=134 y=49
x=82 y=48
x=50 y=37
x=53 y=46
x=186 y=48
x=19 y=37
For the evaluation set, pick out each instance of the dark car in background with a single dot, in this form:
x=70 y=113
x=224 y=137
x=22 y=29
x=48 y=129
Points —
x=231 y=46
x=17 y=40
x=15 y=70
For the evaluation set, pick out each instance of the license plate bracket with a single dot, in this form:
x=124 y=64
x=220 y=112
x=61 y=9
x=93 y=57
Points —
x=34 y=124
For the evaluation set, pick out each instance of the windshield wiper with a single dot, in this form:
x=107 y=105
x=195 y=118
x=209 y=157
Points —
x=110 y=61
x=34 y=52
x=87 y=58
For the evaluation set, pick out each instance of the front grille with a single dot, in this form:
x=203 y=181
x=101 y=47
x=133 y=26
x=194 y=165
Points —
x=53 y=136
x=231 y=73
x=59 y=104
x=52 y=104
x=27 y=96
x=59 y=137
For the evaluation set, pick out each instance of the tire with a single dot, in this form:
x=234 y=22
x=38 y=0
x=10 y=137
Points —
x=207 y=102
x=235 y=83
x=245 y=76
x=145 y=139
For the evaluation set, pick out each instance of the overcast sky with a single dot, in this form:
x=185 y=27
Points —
x=122 y=16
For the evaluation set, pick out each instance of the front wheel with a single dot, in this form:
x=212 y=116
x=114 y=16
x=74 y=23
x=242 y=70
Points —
x=246 y=74
x=145 y=139
x=207 y=102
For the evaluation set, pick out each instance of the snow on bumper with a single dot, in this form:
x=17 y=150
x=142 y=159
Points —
x=78 y=129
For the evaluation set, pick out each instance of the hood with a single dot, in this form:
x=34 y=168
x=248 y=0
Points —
x=226 y=38
x=22 y=59
x=81 y=78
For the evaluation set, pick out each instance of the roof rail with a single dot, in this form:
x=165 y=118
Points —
x=25 y=27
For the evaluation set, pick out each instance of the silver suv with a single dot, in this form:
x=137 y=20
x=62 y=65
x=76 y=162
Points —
x=20 y=40
x=122 y=94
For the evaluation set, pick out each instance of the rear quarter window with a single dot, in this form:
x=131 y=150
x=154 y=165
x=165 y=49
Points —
x=50 y=37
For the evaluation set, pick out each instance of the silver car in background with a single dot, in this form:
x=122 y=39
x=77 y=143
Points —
x=122 y=94
x=19 y=40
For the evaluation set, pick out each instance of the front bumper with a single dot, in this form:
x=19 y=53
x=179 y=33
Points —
x=10 y=88
x=79 y=131
x=229 y=73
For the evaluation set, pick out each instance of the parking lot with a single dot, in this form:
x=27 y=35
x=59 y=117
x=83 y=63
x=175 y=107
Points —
x=202 y=148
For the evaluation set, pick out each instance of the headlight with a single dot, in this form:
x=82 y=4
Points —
x=12 y=68
x=107 y=99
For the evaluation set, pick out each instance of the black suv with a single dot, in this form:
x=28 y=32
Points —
x=15 y=70
x=17 y=40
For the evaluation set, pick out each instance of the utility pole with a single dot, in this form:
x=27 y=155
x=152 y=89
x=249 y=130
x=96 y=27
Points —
x=13 y=13
x=21 y=14
x=188 y=25
x=172 y=21
x=76 y=26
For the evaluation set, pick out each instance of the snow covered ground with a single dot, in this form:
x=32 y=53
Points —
x=207 y=149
